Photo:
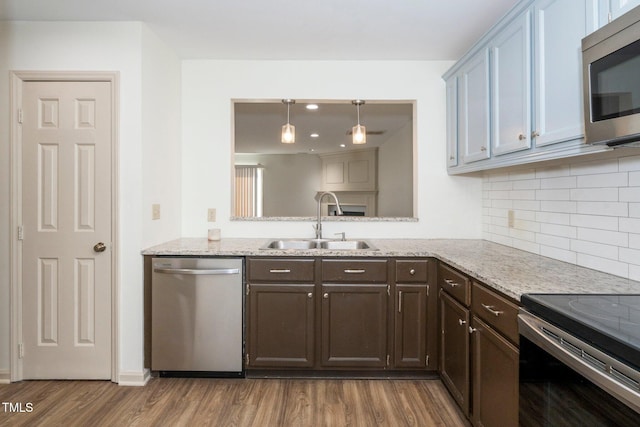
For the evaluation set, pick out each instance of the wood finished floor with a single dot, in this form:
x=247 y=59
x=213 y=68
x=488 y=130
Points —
x=232 y=402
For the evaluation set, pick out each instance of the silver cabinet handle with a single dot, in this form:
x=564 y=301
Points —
x=461 y=322
x=279 y=270
x=195 y=271
x=325 y=295
x=310 y=295
x=483 y=148
x=451 y=158
x=451 y=283
x=412 y=271
x=472 y=330
x=521 y=137
x=535 y=134
x=490 y=309
x=399 y=301
x=356 y=271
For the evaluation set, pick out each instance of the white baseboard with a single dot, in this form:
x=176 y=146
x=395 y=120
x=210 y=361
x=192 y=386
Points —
x=5 y=377
x=135 y=379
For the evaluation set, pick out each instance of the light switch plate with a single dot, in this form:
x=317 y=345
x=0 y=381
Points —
x=155 y=211
x=211 y=215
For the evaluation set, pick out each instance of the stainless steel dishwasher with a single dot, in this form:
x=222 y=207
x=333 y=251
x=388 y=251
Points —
x=196 y=317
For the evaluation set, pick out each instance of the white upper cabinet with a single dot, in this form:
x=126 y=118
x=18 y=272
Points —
x=620 y=7
x=524 y=78
x=511 y=87
x=560 y=26
x=452 y=122
x=473 y=108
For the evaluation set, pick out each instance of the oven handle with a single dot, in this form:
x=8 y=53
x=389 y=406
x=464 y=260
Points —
x=566 y=348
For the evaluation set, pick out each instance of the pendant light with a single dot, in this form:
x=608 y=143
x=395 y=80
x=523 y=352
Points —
x=359 y=132
x=288 y=130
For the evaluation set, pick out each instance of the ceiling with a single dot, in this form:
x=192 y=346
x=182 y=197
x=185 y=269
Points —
x=258 y=125
x=289 y=29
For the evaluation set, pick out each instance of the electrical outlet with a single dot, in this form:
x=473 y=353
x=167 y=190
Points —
x=211 y=215
x=511 y=218
x=155 y=211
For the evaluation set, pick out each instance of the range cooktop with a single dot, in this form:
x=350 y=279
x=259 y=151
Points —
x=609 y=322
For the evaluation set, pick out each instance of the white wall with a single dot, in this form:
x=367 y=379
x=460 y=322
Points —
x=585 y=211
x=395 y=180
x=102 y=47
x=446 y=206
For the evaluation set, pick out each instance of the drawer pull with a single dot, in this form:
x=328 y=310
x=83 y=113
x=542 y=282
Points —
x=451 y=283
x=490 y=309
x=399 y=301
x=310 y=295
x=279 y=270
x=325 y=295
x=461 y=322
x=412 y=271
x=358 y=271
x=472 y=330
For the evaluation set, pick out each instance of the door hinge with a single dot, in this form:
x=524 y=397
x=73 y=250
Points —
x=247 y=289
x=20 y=115
x=20 y=351
x=20 y=233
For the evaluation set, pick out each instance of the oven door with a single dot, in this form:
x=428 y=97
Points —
x=566 y=382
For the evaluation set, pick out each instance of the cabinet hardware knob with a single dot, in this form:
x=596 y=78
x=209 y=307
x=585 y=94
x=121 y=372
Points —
x=452 y=158
x=461 y=322
x=451 y=283
x=412 y=271
x=325 y=295
x=535 y=134
x=472 y=330
x=483 y=148
x=490 y=309
x=310 y=295
x=521 y=137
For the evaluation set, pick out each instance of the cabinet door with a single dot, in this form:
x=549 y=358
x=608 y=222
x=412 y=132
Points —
x=452 y=121
x=495 y=378
x=280 y=325
x=410 y=326
x=559 y=26
x=620 y=7
x=511 y=88
x=354 y=325
x=454 y=349
x=473 y=108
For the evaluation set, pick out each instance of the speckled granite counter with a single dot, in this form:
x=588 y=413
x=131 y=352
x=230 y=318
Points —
x=510 y=271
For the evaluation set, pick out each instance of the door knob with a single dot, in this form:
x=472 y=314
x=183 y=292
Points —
x=99 y=247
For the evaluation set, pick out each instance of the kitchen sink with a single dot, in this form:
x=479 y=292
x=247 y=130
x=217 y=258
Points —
x=306 y=244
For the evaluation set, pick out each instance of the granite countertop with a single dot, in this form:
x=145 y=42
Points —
x=510 y=271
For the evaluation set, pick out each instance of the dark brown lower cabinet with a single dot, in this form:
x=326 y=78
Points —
x=354 y=325
x=495 y=377
x=280 y=327
x=454 y=349
x=410 y=347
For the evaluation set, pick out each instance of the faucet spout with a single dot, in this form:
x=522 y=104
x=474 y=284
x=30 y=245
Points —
x=319 y=222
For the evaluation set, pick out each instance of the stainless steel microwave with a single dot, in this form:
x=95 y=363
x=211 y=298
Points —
x=611 y=80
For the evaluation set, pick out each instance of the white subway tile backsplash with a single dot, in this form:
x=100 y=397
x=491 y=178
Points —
x=595 y=221
x=603 y=180
x=603 y=236
x=630 y=194
x=581 y=212
x=603 y=208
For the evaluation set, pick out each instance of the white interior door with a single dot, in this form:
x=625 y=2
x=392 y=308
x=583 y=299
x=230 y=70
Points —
x=66 y=216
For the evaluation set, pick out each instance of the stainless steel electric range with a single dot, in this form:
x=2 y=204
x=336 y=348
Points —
x=579 y=360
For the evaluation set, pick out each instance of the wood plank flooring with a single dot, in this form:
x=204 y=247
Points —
x=231 y=402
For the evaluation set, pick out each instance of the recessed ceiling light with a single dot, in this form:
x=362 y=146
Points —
x=314 y=135
x=312 y=106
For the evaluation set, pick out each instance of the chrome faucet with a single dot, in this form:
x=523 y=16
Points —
x=318 y=225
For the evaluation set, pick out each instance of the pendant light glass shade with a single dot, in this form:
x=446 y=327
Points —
x=288 y=130
x=359 y=132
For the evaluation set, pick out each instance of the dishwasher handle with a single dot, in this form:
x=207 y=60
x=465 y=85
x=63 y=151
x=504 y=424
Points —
x=198 y=271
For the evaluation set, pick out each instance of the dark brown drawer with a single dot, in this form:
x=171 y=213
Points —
x=408 y=271
x=354 y=271
x=280 y=270
x=496 y=310
x=456 y=284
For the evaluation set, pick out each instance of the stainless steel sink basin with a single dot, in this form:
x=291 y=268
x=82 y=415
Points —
x=345 y=244
x=301 y=244
x=291 y=244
